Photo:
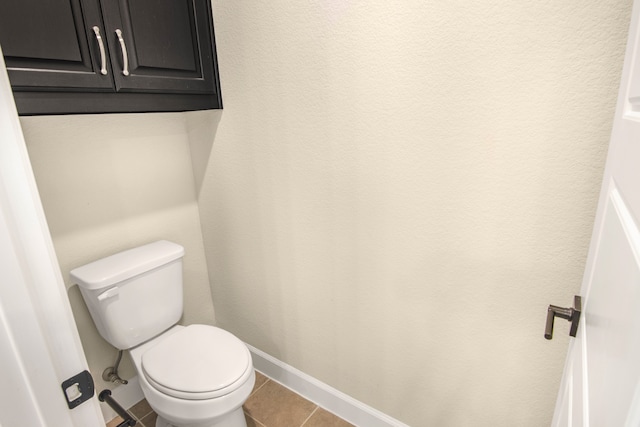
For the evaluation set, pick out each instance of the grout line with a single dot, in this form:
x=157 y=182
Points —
x=150 y=410
x=138 y=418
x=263 y=384
x=138 y=421
x=146 y=423
x=310 y=415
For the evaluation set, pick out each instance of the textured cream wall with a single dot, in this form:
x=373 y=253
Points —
x=397 y=190
x=111 y=182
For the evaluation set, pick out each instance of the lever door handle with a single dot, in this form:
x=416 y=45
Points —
x=572 y=314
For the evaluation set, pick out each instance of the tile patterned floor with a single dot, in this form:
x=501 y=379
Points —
x=270 y=405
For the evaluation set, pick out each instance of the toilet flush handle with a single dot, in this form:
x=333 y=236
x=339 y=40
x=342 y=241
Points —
x=112 y=292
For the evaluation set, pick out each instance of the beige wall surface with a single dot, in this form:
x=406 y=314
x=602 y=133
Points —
x=112 y=182
x=393 y=194
x=397 y=190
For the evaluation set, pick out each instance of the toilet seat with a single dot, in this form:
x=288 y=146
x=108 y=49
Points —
x=198 y=362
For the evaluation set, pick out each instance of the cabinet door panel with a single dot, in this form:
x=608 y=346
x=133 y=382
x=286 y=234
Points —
x=168 y=44
x=170 y=31
x=50 y=44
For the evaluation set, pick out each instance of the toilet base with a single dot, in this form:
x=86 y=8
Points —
x=233 y=419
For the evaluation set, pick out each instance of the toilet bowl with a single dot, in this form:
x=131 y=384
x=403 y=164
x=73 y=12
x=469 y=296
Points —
x=191 y=376
x=189 y=382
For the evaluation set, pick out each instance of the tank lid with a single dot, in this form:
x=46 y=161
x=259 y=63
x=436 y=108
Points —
x=126 y=264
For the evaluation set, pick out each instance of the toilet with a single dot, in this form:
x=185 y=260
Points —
x=192 y=376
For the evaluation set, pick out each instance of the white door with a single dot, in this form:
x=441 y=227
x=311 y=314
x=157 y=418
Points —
x=601 y=381
x=39 y=343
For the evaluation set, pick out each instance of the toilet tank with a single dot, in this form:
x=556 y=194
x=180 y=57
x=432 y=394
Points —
x=134 y=295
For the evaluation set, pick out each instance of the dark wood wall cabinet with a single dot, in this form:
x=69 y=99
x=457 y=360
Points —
x=107 y=56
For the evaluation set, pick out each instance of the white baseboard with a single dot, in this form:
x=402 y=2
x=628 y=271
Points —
x=323 y=395
x=126 y=395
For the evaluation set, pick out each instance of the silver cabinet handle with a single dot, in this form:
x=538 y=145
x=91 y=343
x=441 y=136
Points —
x=125 y=57
x=103 y=56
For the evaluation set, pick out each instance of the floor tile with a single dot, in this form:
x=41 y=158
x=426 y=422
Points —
x=252 y=423
x=149 y=420
x=277 y=406
x=322 y=418
x=141 y=409
x=260 y=380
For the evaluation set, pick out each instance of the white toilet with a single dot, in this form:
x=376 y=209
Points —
x=192 y=376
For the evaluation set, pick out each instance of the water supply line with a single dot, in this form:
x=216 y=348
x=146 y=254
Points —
x=111 y=373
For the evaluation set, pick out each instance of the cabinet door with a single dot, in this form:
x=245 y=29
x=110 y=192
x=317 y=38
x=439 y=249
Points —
x=161 y=45
x=51 y=44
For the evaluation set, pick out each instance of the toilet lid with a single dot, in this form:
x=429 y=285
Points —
x=197 y=362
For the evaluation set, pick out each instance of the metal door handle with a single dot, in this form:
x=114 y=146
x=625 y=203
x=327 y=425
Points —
x=572 y=314
x=125 y=57
x=103 y=56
